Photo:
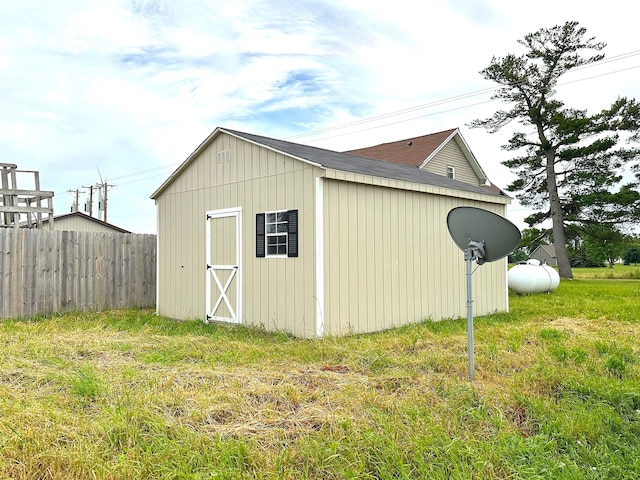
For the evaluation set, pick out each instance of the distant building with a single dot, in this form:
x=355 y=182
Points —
x=80 y=222
x=546 y=254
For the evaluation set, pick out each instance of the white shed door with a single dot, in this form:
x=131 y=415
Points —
x=224 y=268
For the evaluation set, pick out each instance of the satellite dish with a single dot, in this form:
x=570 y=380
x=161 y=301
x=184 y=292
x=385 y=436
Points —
x=498 y=236
x=483 y=236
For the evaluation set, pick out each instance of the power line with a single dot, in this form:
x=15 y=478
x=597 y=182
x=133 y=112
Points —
x=401 y=121
x=405 y=111
x=455 y=98
x=398 y=112
x=434 y=113
x=142 y=172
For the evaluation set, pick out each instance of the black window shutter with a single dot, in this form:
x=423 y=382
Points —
x=260 y=235
x=292 y=247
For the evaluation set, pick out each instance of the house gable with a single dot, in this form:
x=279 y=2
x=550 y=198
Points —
x=545 y=254
x=413 y=152
x=449 y=161
x=435 y=153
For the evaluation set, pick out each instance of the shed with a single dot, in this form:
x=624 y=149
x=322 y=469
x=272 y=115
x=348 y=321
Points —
x=313 y=242
x=79 y=222
x=545 y=254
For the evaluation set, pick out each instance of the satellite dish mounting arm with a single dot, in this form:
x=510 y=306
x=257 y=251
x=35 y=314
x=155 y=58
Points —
x=475 y=251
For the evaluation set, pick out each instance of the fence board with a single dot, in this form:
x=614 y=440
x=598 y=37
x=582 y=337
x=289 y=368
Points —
x=47 y=271
x=4 y=260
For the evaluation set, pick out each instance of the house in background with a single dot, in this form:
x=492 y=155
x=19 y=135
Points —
x=313 y=242
x=79 y=222
x=545 y=254
x=444 y=153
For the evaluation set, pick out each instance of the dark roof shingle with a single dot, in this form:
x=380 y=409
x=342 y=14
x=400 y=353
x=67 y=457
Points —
x=365 y=166
x=411 y=151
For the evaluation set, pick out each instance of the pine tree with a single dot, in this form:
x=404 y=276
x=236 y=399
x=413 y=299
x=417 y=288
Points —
x=570 y=169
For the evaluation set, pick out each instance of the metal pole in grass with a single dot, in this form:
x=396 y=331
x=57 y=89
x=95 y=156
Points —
x=468 y=257
x=483 y=236
x=475 y=251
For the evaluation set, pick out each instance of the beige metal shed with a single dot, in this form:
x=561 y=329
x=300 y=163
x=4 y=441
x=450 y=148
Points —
x=80 y=222
x=313 y=242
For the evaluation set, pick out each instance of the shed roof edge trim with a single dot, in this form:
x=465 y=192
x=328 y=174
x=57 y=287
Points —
x=207 y=141
x=176 y=173
x=378 y=181
x=273 y=149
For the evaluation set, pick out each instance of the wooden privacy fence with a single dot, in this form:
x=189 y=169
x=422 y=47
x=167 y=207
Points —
x=47 y=271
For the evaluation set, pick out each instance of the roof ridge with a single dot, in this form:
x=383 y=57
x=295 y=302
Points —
x=331 y=159
x=448 y=132
x=358 y=164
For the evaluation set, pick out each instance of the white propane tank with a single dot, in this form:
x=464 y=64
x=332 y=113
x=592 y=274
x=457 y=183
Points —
x=531 y=277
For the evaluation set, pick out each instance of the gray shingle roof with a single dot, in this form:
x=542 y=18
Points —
x=361 y=165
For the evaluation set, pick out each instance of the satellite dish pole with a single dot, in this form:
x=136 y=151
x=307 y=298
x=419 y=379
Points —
x=483 y=236
x=475 y=251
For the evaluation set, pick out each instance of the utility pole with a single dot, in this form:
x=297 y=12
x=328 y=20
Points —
x=104 y=186
x=90 y=187
x=77 y=191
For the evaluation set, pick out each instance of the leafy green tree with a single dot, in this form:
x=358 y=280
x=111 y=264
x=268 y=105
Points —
x=569 y=169
x=632 y=256
x=604 y=243
x=518 y=255
x=532 y=238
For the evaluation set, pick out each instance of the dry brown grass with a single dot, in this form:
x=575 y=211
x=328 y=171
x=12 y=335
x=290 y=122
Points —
x=127 y=395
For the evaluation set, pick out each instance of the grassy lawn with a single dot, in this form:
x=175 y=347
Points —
x=128 y=395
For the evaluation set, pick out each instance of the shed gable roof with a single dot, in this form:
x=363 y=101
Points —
x=330 y=159
x=86 y=218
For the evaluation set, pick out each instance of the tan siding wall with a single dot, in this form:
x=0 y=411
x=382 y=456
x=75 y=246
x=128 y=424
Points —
x=79 y=224
x=451 y=155
x=278 y=293
x=389 y=260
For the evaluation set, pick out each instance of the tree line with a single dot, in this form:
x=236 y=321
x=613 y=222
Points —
x=607 y=248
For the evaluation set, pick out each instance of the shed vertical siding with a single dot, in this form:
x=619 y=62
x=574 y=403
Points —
x=451 y=155
x=80 y=223
x=389 y=259
x=278 y=293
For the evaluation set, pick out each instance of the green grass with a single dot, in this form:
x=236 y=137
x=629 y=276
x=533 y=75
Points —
x=617 y=271
x=128 y=395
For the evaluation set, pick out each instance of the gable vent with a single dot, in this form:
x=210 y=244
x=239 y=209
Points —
x=224 y=156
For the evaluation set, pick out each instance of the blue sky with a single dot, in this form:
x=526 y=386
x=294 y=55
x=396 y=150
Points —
x=125 y=90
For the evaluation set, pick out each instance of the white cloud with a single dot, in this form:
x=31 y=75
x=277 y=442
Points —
x=135 y=85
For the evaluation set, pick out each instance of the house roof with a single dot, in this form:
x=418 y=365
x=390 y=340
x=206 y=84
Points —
x=337 y=161
x=548 y=249
x=411 y=151
x=87 y=218
x=418 y=151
